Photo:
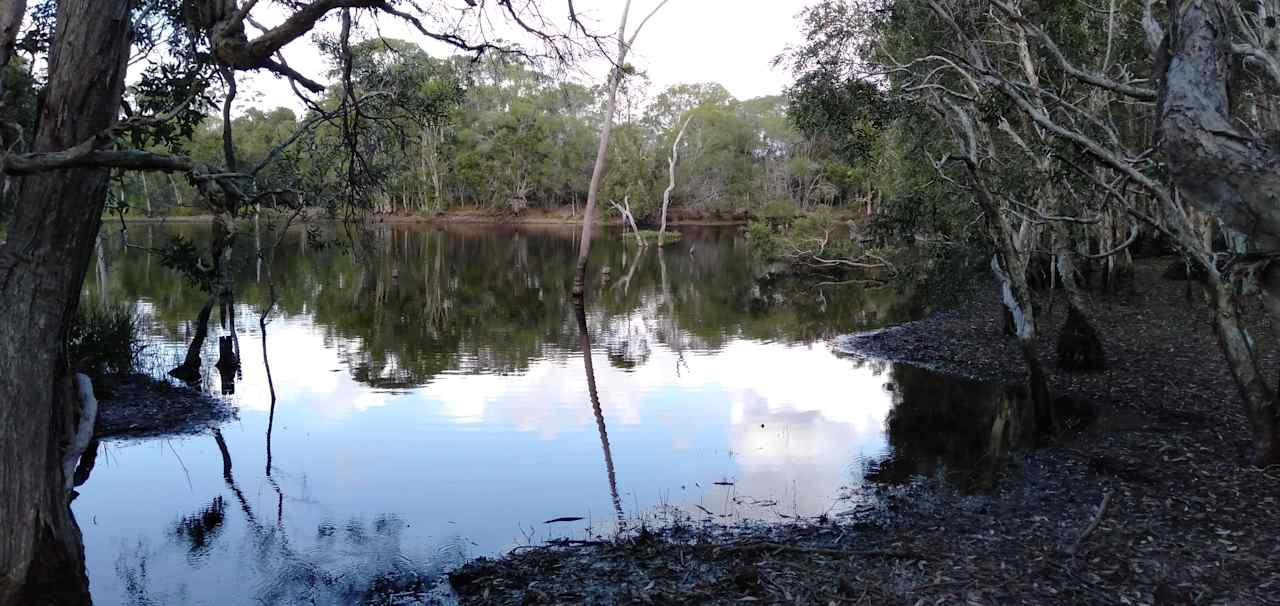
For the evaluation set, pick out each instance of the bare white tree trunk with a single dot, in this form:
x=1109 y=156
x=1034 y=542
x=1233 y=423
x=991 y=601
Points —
x=671 y=182
x=597 y=173
x=629 y=219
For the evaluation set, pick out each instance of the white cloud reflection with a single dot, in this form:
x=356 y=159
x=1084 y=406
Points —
x=786 y=416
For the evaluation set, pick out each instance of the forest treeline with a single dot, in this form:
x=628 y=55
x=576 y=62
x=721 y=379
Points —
x=437 y=134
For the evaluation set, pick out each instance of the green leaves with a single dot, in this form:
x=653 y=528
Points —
x=180 y=255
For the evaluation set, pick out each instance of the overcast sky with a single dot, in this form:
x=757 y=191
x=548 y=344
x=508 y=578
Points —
x=727 y=41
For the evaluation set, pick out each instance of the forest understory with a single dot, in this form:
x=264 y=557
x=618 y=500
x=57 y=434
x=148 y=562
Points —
x=1153 y=503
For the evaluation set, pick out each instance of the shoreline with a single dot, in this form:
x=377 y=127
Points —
x=1152 y=503
x=458 y=218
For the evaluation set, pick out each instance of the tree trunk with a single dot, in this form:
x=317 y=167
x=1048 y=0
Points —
x=1259 y=398
x=1079 y=347
x=1016 y=296
x=671 y=183
x=629 y=220
x=584 y=337
x=42 y=268
x=189 y=371
x=1229 y=173
x=146 y=194
x=11 y=12
x=597 y=173
x=101 y=256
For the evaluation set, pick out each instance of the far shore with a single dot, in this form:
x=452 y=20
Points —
x=473 y=217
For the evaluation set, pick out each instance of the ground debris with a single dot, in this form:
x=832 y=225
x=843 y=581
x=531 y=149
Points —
x=139 y=407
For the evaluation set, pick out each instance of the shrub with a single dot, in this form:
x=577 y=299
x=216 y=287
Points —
x=105 y=341
x=777 y=212
x=764 y=243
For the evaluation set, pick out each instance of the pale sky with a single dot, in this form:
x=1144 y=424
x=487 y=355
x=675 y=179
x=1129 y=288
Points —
x=727 y=41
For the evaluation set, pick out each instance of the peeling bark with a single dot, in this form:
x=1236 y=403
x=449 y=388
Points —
x=1229 y=173
x=11 y=12
x=42 y=268
x=1223 y=170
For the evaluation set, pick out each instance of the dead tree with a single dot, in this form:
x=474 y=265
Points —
x=617 y=72
x=671 y=182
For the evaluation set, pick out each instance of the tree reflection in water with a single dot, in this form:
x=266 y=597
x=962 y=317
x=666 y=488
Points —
x=350 y=562
x=581 y=313
x=472 y=330
x=955 y=429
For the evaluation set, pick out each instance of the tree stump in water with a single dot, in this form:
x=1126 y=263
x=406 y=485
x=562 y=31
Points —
x=1079 y=348
x=186 y=373
x=228 y=363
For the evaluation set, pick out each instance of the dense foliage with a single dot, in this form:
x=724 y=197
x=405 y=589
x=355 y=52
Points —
x=439 y=134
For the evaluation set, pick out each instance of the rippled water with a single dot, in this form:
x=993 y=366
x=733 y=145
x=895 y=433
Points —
x=433 y=405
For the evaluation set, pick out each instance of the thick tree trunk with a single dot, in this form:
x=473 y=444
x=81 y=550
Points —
x=42 y=268
x=1220 y=168
x=11 y=12
x=1079 y=347
x=1259 y=398
x=1228 y=173
x=1016 y=296
x=189 y=370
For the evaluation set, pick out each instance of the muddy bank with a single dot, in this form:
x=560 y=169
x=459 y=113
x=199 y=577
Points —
x=136 y=406
x=1155 y=503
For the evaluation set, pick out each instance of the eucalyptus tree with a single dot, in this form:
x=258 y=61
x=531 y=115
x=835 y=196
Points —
x=619 y=70
x=1169 y=126
x=64 y=171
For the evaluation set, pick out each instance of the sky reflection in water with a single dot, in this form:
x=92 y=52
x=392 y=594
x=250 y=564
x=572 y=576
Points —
x=417 y=424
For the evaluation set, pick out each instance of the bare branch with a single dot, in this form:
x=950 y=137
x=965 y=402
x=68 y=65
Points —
x=1098 y=80
x=1133 y=237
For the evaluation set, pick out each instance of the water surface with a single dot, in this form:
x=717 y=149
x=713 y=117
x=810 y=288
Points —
x=433 y=404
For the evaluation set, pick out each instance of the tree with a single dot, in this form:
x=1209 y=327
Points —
x=1167 y=129
x=57 y=217
x=42 y=265
x=671 y=185
x=616 y=74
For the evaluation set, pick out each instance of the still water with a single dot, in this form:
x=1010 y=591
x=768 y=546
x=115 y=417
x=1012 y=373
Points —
x=433 y=404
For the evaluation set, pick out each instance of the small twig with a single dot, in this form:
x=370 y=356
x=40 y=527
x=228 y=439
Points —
x=1093 y=524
